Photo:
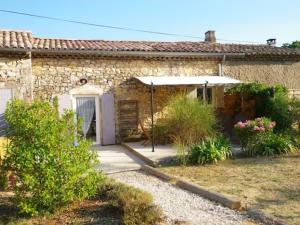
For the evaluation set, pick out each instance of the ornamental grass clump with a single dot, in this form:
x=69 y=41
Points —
x=49 y=170
x=187 y=122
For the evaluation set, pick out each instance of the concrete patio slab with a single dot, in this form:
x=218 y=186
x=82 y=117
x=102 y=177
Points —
x=162 y=152
x=116 y=158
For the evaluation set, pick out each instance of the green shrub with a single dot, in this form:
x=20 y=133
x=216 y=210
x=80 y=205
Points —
x=210 y=150
x=136 y=206
x=50 y=171
x=268 y=143
x=279 y=111
x=295 y=113
x=246 y=130
x=3 y=180
x=270 y=101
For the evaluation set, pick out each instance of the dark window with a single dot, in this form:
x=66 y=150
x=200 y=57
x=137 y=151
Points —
x=200 y=94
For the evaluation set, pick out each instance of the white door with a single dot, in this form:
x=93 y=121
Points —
x=88 y=111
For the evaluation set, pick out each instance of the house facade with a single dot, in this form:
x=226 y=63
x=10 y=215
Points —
x=97 y=78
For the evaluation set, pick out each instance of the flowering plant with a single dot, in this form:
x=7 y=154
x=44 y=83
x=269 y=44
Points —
x=246 y=130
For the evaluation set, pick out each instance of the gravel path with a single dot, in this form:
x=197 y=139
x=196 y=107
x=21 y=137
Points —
x=180 y=205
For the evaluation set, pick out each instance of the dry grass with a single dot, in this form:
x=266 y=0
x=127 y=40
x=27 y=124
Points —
x=270 y=184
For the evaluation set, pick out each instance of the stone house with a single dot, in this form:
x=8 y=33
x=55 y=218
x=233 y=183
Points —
x=100 y=79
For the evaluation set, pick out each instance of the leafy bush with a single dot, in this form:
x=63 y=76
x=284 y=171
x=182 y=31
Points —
x=246 y=130
x=3 y=145
x=3 y=173
x=279 y=111
x=268 y=143
x=210 y=150
x=136 y=206
x=49 y=170
x=3 y=180
x=295 y=113
x=270 y=101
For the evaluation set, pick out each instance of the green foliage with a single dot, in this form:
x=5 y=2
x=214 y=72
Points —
x=295 y=113
x=294 y=44
x=210 y=150
x=246 y=130
x=271 y=102
x=161 y=135
x=268 y=143
x=135 y=205
x=187 y=122
x=3 y=180
x=279 y=111
x=50 y=171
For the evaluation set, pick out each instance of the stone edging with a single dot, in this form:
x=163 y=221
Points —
x=139 y=155
x=213 y=196
x=230 y=203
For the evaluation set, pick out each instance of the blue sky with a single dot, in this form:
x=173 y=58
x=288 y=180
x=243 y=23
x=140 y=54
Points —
x=252 y=20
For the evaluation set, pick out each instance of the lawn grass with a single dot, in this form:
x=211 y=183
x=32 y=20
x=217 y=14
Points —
x=270 y=184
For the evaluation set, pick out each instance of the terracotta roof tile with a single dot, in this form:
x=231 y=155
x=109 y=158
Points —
x=24 y=40
x=15 y=39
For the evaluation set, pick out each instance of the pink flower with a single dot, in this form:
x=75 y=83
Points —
x=262 y=129
x=260 y=124
x=256 y=128
x=258 y=119
x=242 y=125
x=271 y=126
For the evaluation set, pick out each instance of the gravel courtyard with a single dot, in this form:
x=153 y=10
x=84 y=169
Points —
x=180 y=205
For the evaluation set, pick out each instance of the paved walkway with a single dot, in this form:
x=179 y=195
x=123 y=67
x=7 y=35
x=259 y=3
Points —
x=115 y=158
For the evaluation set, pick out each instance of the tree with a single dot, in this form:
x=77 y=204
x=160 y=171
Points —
x=294 y=44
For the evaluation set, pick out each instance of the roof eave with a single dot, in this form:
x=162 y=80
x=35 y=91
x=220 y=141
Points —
x=137 y=53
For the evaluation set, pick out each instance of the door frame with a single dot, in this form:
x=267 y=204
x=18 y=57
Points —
x=97 y=112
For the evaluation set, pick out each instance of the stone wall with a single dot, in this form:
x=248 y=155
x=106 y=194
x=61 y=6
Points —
x=58 y=76
x=269 y=72
x=15 y=73
x=55 y=76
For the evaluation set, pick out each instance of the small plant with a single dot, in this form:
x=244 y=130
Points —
x=246 y=130
x=136 y=206
x=267 y=144
x=210 y=150
x=47 y=170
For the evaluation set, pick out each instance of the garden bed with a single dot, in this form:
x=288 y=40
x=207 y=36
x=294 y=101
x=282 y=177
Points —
x=92 y=211
x=269 y=184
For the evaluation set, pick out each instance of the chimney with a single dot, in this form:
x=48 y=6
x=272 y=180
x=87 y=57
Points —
x=210 y=36
x=271 y=42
